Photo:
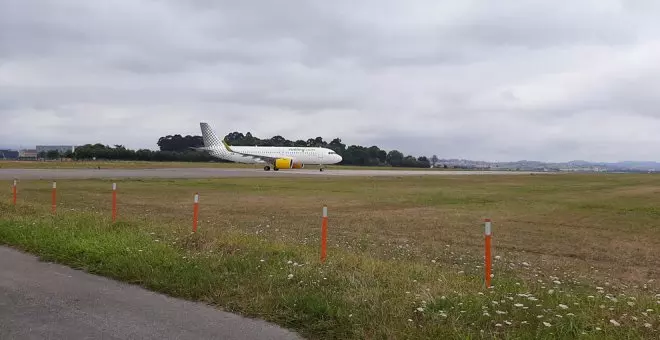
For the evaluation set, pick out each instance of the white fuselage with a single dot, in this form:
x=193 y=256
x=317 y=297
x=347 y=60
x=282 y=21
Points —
x=304 y=155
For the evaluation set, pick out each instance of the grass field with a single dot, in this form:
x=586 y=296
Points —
x=575 y=255
x=116 y=165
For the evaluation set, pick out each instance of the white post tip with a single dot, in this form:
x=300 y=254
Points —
x=114 y=186
x=325 y=211
x=54 y=185
x=488 y=229
x=196 y=198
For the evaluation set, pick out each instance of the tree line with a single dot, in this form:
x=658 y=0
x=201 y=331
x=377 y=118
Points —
x=181 y=148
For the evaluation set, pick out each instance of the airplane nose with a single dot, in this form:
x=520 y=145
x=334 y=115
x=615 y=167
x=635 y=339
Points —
x=339 y=159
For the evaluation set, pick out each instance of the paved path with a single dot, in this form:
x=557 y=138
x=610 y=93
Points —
x=48 y=174
x=47 y=301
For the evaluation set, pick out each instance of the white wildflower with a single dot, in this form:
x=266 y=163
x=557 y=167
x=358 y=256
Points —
x=648 y=325
x=563 y=306
x=547 y=324
x=290 y=276
x=420 y=309
x=519 y=305
x=615 y=323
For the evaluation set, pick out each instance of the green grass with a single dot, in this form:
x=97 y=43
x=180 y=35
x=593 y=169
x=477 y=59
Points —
x=116 y=165
x=395 y=245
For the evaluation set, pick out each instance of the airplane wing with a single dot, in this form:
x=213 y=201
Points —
x=267 y=159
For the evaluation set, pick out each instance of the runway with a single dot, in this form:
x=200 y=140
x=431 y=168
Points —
x=41 y=300
x=51 y=174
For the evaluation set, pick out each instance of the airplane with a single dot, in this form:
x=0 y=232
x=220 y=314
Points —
x=279 y=157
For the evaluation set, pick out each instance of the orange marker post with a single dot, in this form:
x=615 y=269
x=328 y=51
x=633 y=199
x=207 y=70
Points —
x=324 y=234
x=114 y=202
x=54 y=198
x=488 y=259
x=14 y=192
x=195 y=212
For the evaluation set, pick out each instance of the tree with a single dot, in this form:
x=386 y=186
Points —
x=434 y=160
x=423 y=162
x=395 y=158
x=53 y=154
x=182 y=148
x=179 y=143
x=337 y=146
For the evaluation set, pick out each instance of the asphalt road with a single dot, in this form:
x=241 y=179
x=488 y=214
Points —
x=47 y=301
x=48 y=174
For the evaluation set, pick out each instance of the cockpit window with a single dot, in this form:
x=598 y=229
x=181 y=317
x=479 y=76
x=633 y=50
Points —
x=332 y=153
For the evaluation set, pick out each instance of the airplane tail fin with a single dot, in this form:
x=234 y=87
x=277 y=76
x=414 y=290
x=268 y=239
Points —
x=210 y=138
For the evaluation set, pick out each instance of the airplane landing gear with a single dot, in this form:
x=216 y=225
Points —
x=266 y=168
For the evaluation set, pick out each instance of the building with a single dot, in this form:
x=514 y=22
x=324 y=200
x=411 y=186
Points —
x=27 y=154
x=8 y=154
x=62 y=149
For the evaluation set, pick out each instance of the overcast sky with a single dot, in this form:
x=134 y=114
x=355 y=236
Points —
x=488 y=80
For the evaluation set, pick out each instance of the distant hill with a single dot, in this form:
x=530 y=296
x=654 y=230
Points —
x=575 y=165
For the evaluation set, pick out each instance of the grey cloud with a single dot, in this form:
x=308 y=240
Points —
x=505 y=80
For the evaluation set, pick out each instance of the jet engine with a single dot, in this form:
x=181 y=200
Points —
x=283 y=163
x=298 y=165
